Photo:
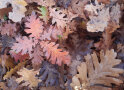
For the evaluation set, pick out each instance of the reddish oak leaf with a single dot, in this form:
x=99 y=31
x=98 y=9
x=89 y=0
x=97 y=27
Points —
x=35 y=25
x=37 y=55
x=19 y=56
x=23 y=44
x=55 y=55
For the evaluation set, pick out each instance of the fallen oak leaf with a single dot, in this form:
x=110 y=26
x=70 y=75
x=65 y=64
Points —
x=29 y=77
x=93 y=72
x=13 y=70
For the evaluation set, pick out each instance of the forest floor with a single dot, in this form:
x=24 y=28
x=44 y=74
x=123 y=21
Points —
x=62 y=44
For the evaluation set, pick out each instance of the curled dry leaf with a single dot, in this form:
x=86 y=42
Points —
x=29 y=77
x=93 y=72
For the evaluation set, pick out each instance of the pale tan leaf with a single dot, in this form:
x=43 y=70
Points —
x=96 y=71
x=29 y=77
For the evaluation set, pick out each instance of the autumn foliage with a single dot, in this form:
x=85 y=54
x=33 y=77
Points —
x=61 y=44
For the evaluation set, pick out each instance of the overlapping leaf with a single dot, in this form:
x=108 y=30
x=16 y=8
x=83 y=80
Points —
x=94 y=72
x=55 y=55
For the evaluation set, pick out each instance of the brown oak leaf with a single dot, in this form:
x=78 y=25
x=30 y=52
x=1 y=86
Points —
x=94 y=72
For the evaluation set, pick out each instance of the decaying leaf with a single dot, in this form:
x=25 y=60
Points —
x=13 y=70
x=48 y=74
x=29 y=77
x=6 y=42
x=94 y=72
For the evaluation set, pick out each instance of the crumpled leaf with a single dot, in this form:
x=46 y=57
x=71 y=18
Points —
x=94 y=72
x=24 y=45
x=35 y=25
x=29 y=77
x=48 y=74
x=55 y=55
